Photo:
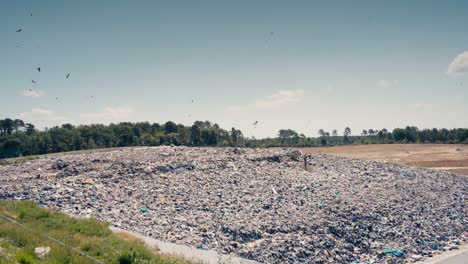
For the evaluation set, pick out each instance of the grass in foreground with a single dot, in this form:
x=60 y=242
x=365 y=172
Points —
x=91 y=236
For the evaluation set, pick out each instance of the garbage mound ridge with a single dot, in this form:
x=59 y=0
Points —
x=259 y=204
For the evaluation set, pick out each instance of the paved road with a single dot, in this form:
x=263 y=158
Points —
x=458 y=259
x=205 y=256
x=452 y=257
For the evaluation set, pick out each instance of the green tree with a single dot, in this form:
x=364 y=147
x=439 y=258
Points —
x=170 y=127
x=30 y=128
x=346 y=134
x=236 y=136
x=321 y=132
x=7 y=126
x=334 y=133
x=18 y=124
x=288 y=135
x=195 y=135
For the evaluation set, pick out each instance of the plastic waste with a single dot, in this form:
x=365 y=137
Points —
x=396 y=253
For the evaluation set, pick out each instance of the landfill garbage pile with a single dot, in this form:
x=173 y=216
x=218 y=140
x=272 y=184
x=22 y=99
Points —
x=259 y=204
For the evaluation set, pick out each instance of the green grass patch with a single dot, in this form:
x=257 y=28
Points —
x=88 y=235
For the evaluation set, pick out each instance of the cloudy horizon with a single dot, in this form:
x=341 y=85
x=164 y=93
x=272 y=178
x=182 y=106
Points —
x=302 y=65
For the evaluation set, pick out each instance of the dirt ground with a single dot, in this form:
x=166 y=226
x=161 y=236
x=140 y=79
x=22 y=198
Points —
x=452 y=158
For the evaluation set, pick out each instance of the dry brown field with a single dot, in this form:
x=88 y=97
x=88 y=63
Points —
x=453 y=158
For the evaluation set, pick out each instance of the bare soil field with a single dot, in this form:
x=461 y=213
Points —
x=453 y=158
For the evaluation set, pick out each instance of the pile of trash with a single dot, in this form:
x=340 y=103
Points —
x=260 y=204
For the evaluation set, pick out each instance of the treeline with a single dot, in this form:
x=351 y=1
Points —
x=410 y=134
x=23 y=139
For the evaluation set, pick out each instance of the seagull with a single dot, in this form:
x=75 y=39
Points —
x=19 y=30
x=68 y=75
x=39 y=69
x=33 y=82
x=255 y=123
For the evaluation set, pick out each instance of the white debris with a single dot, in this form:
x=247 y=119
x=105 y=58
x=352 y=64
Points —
x=41 y=251
x=259 y=204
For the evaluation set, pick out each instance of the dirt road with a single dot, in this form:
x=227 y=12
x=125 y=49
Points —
x=453 y=158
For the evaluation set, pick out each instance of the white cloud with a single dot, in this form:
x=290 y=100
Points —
x=36 y=112
x=459 y=65
x=234 y=108
x=32 y=93
x=274 y=101
x=383 y=83
x=42 y=117
x=280 y=98
x=387 y=83
x=109 y=114
x=424 y=105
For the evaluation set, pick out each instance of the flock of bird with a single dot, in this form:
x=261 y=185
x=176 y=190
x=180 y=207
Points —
x=68 y=76
x=39 y=68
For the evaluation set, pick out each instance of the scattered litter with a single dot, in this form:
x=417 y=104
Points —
x=88 y=181
x=228 y=200
x=433 y=245
x=396 y=253
x=41 y=252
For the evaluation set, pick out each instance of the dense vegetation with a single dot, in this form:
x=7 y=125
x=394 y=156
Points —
x=23 y=139
x=410 y=134
x=18 y=138
x=90 y=236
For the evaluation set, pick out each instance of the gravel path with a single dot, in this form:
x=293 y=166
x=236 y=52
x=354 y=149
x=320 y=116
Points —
x=190 y=253
x=258 y=204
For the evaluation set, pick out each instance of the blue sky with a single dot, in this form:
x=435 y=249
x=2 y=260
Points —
x=303 y=65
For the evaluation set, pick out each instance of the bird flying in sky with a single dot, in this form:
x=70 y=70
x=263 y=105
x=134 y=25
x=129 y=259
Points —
x=68 y=75
x=39 y=69
x=255 y=123
x=33 y=81
x=19 y=30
